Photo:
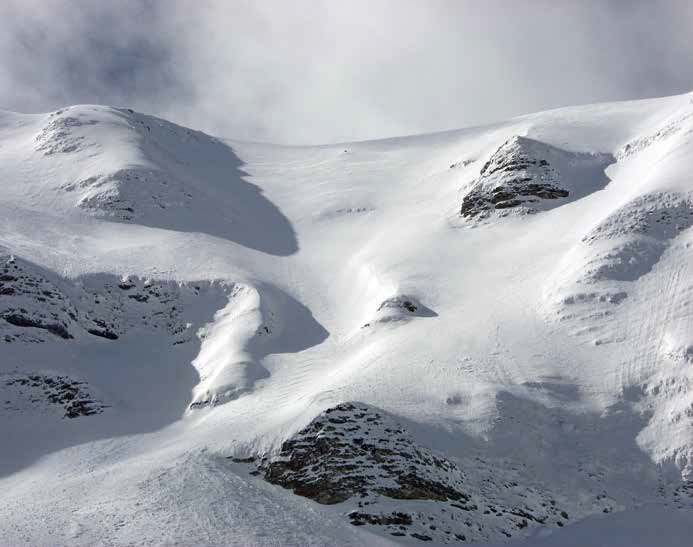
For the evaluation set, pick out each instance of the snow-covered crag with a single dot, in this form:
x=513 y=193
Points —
x=398 y=308
x=525 y=176
x=154 y=188
x=124 y=166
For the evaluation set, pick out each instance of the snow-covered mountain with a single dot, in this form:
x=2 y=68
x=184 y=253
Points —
x=483 y=335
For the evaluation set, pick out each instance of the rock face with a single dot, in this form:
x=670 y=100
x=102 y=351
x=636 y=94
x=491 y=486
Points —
x=45 y=393
x=351 y=451
x=364 y=464
x=41 y=308
x=32 y=308
x=37 y=306
x=517 y=175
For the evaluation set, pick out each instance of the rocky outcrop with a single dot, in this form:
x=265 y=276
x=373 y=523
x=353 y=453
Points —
x=128 y=194
x=37 y=306
x=364 y=464
x=352 y=451
x=19 y=320
x=58 y=136
x=32 y=307
x=398 y=308
x=47 y=393
x=517 y=175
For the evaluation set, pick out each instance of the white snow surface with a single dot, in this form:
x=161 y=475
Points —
x=248 y=287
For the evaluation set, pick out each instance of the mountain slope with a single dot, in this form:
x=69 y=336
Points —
x=198 y=335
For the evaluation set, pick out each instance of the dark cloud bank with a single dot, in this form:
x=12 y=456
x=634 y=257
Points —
x=319 y=71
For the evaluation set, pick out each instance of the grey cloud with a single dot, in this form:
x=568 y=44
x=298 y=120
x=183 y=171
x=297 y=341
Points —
x=319 y=71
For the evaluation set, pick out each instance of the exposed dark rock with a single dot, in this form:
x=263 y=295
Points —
x=514 y=176
x=36 y=305
x=103 y=334
x=250 y=459
x=360 y=460
x=22 y=321
x=527 y=515
x=396 y=518
x=399 y=308
x=48 y=390
x=328 y=463
x=409 y=306
x=413 y=487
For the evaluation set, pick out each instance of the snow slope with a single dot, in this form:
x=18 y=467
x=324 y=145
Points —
x=223 y=343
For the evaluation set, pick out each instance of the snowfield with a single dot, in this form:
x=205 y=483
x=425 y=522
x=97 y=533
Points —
x=477 y=336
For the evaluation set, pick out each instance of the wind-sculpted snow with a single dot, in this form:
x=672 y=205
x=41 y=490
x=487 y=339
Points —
x=254 y=324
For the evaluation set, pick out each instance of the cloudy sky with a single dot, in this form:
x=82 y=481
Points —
x=313 y=71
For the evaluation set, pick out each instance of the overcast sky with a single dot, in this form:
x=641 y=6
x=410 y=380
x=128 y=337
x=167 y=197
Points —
x=309 y=71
